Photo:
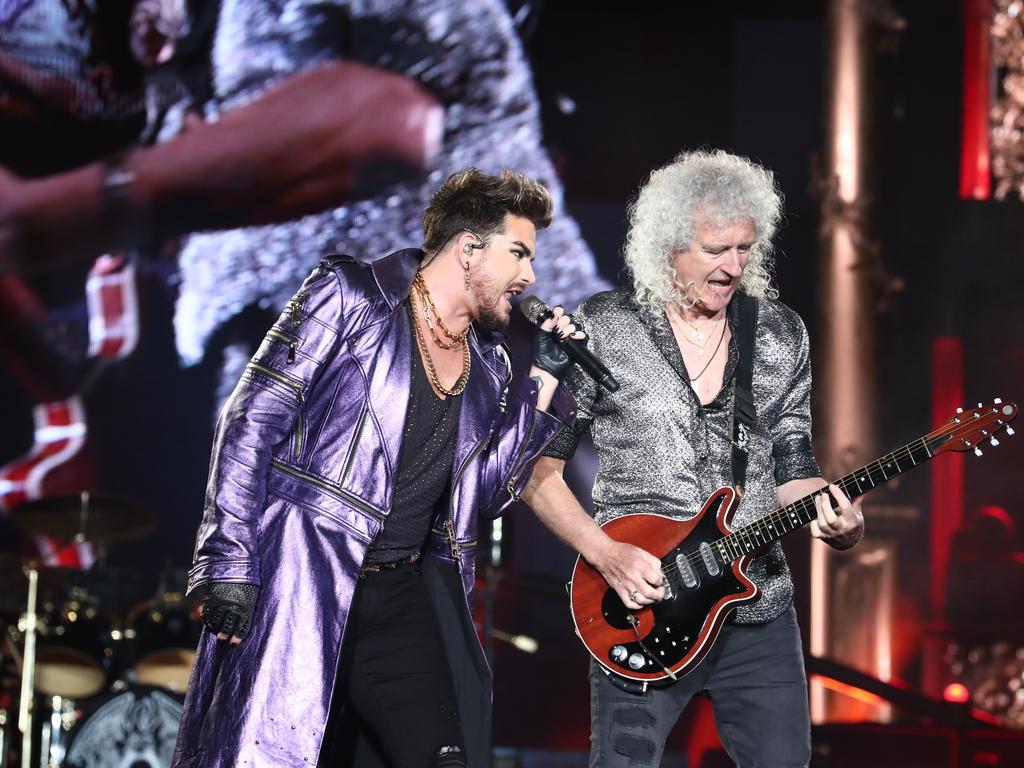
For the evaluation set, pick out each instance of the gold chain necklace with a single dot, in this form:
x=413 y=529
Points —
x=460 y=383
x=429 y=308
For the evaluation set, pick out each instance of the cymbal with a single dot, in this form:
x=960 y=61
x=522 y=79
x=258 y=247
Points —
x=87 y=517
x=112 y=588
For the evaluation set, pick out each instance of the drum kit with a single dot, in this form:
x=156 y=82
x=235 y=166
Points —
x=89 y=677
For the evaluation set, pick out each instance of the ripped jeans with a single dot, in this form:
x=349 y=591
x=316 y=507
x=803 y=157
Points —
x=754 y=676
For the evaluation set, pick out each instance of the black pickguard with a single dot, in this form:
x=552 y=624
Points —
x=678 y=621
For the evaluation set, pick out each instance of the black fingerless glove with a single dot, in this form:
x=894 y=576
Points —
x=549 y=355
x=228 y=608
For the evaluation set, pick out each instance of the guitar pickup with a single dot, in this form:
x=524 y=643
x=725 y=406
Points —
x=710 y=564
x=686 y=571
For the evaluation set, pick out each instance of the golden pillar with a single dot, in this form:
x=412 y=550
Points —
x=849 y=624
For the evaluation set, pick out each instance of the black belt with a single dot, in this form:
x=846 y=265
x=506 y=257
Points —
x=378 y=567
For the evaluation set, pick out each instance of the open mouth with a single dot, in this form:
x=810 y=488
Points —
x=510 y=294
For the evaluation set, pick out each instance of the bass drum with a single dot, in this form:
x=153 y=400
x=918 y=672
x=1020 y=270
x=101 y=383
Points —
x=164 y=633
x=73 y=649
x=135 y=728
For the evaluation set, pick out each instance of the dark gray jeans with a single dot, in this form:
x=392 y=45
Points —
x=754 y=676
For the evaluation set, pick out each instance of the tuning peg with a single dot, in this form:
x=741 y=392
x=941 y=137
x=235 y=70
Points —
x=998 y=400
x=1010 y=432
x=959 y=410
x=980 y=405
x=992 y=441
x=977 y=451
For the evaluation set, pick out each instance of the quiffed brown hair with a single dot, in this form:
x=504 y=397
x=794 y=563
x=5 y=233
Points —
x=478 y=202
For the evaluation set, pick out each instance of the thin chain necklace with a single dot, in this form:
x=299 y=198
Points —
x=429 y=309
x=701 y=338
x=693 y=380
x=460 y=383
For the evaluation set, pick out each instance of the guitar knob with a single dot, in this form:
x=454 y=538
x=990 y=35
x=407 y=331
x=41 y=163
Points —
x=998 y=401
x=1010 y=432
x=636 y=661
x=977 y=451
x=992 y=441
x=619 y=653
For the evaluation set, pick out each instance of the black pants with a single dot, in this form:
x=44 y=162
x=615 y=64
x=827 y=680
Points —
x=395 y=683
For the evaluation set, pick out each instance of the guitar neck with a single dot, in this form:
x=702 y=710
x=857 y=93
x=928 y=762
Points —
x=767 y=529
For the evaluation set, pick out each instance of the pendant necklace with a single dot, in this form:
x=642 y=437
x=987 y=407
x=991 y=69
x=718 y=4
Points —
x=693 y=381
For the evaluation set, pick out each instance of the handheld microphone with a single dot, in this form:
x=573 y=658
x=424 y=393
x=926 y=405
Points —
x=536 y=311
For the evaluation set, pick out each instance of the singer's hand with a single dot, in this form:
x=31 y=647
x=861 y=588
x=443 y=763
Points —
x=548 y=355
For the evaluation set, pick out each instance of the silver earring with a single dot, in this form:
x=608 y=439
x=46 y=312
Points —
x=465 y=277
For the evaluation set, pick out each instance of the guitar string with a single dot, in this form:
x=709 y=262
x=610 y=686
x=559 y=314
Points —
x=804 y=504
x=801 y=505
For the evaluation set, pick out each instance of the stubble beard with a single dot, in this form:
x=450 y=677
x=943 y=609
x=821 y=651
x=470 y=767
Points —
x=490 y=314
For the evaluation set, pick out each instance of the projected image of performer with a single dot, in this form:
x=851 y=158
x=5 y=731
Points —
x=372 y=427
x=699 y=242
x=330 y=124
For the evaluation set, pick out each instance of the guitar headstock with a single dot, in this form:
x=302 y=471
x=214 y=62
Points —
x=970 y=427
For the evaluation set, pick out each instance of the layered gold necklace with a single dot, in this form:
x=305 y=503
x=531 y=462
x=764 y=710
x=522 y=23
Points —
x=454 y=339
x=421 y=293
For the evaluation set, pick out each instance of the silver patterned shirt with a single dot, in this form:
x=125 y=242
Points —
x=659 y=450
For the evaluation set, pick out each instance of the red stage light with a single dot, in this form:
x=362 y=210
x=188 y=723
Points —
x=956 y=692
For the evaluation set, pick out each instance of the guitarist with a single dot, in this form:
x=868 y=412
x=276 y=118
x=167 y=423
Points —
x=700 y=236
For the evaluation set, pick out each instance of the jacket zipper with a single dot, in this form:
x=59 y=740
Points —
x=357 y=439
x=520 y=462
x=330 y=488
x=291 y=341
x=294 y=307
x=296 y=387
x=449 y=524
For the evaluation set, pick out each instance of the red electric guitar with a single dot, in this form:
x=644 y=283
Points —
x=704 y=560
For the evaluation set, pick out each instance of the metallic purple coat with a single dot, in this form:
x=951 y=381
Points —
x=301 y=480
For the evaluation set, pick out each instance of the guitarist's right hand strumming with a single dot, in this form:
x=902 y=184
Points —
x=632 y=572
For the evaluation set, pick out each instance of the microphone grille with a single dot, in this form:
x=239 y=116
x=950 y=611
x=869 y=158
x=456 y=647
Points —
x=533 y=308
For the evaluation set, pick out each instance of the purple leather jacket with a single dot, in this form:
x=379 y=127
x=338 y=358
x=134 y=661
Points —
x=301 y=480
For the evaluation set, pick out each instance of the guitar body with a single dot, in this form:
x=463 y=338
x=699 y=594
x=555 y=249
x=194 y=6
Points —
x=680 y=630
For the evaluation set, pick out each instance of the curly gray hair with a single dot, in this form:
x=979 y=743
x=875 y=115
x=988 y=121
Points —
x=712 y=186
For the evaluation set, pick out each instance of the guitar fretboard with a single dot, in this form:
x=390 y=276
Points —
x=769 y=528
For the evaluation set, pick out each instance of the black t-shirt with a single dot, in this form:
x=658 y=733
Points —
x=424 y=468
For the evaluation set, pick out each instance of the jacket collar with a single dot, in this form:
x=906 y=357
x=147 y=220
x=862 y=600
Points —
x=394 y=274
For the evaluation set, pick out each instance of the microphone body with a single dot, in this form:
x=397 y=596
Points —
x=536 y=311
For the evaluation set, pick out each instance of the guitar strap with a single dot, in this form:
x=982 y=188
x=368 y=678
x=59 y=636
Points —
x=744 y=415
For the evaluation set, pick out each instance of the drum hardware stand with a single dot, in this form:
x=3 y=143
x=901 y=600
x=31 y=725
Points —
x=28 y=671
x=4 y=746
